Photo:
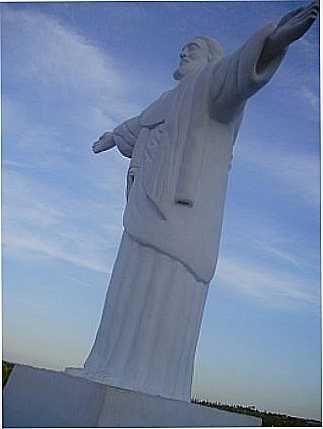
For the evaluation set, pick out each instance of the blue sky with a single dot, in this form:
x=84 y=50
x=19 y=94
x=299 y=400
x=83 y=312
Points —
x=71 y=71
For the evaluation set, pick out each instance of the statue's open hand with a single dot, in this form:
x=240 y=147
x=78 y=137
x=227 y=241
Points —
x=105 y=142
x=295 y=24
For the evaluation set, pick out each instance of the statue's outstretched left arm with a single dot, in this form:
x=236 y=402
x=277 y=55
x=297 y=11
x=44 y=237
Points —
x=290 y=28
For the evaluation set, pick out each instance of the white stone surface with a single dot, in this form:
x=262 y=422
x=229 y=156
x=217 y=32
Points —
x=181 y=149
x=182 y=153
x=36 y=397
x=150 y=325
x=42 y=398
x=153 y=411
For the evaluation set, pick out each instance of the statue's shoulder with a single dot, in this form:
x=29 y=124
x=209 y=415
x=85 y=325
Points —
x=156 y=112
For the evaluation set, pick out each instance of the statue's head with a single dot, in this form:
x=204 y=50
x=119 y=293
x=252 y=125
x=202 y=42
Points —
x=199 y=51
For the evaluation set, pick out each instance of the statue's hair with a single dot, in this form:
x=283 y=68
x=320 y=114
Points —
x=214 y=47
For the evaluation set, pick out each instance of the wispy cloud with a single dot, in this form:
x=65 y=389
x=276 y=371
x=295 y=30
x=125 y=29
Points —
x=54 y=54
x=27 y=242
x=311 y=96
x=308 y=45
x=295 y=171
x=48 y=53
x=271 y=287
x=307 y=79
x=59 y=201
x=280 y=254
x=269 y=240
x=298 y=77
x=39 y=221
x=29 y=143
x=70 y=92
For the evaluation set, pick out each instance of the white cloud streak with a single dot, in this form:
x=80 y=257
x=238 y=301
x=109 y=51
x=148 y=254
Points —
x=54 y=54
x=312 y=98
x=42 y=222
x=294 y=171
x=46 y=212
x=47 y=52
x=298 y=78
x=272 y=288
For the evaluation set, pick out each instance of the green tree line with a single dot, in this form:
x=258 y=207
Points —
x=268 y=418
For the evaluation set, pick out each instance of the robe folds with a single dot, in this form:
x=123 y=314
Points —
x=150 y=325
x=181 y=149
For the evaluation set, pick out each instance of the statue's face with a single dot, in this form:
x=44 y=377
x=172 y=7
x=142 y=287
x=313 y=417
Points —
x=192 y=55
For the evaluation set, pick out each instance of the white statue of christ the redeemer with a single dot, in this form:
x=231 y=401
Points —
x=180 y=149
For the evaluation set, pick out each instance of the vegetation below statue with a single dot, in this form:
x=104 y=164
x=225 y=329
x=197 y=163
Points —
x=268 y=418
x=6 y=370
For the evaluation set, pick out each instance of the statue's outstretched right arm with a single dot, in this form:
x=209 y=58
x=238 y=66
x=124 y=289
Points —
x=124 y=137
x=251 y=67
x=105 y=142
x=289 y=29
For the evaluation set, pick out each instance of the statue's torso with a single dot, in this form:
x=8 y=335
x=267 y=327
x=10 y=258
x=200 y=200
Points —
x=190 y=234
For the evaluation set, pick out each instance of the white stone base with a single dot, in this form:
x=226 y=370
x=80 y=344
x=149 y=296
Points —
x=36 y=397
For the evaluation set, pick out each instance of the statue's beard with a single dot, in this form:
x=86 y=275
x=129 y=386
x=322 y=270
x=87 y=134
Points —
x=185 y=69
x=178 y=74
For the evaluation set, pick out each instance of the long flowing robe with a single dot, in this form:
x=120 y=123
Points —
x=181 y=149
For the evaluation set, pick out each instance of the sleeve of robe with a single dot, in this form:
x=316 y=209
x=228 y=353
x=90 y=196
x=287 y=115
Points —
x=125 y=136
x=239 y=78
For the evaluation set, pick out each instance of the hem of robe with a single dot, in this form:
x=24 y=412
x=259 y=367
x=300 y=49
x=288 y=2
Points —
x=150 y=325
x=108 y=380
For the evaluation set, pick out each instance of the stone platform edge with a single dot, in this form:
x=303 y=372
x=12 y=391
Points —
x=37 y=397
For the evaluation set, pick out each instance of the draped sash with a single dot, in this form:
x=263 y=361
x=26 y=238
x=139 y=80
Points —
x=174 y=153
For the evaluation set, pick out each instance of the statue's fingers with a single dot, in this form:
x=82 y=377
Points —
x=290 y=15
x=309 y=13
x=316 y=4
x=315 y=8
x=310 y=16
x=303 y=13
x=306 y=24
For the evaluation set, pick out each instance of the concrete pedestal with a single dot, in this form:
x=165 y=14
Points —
x=36 y=397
